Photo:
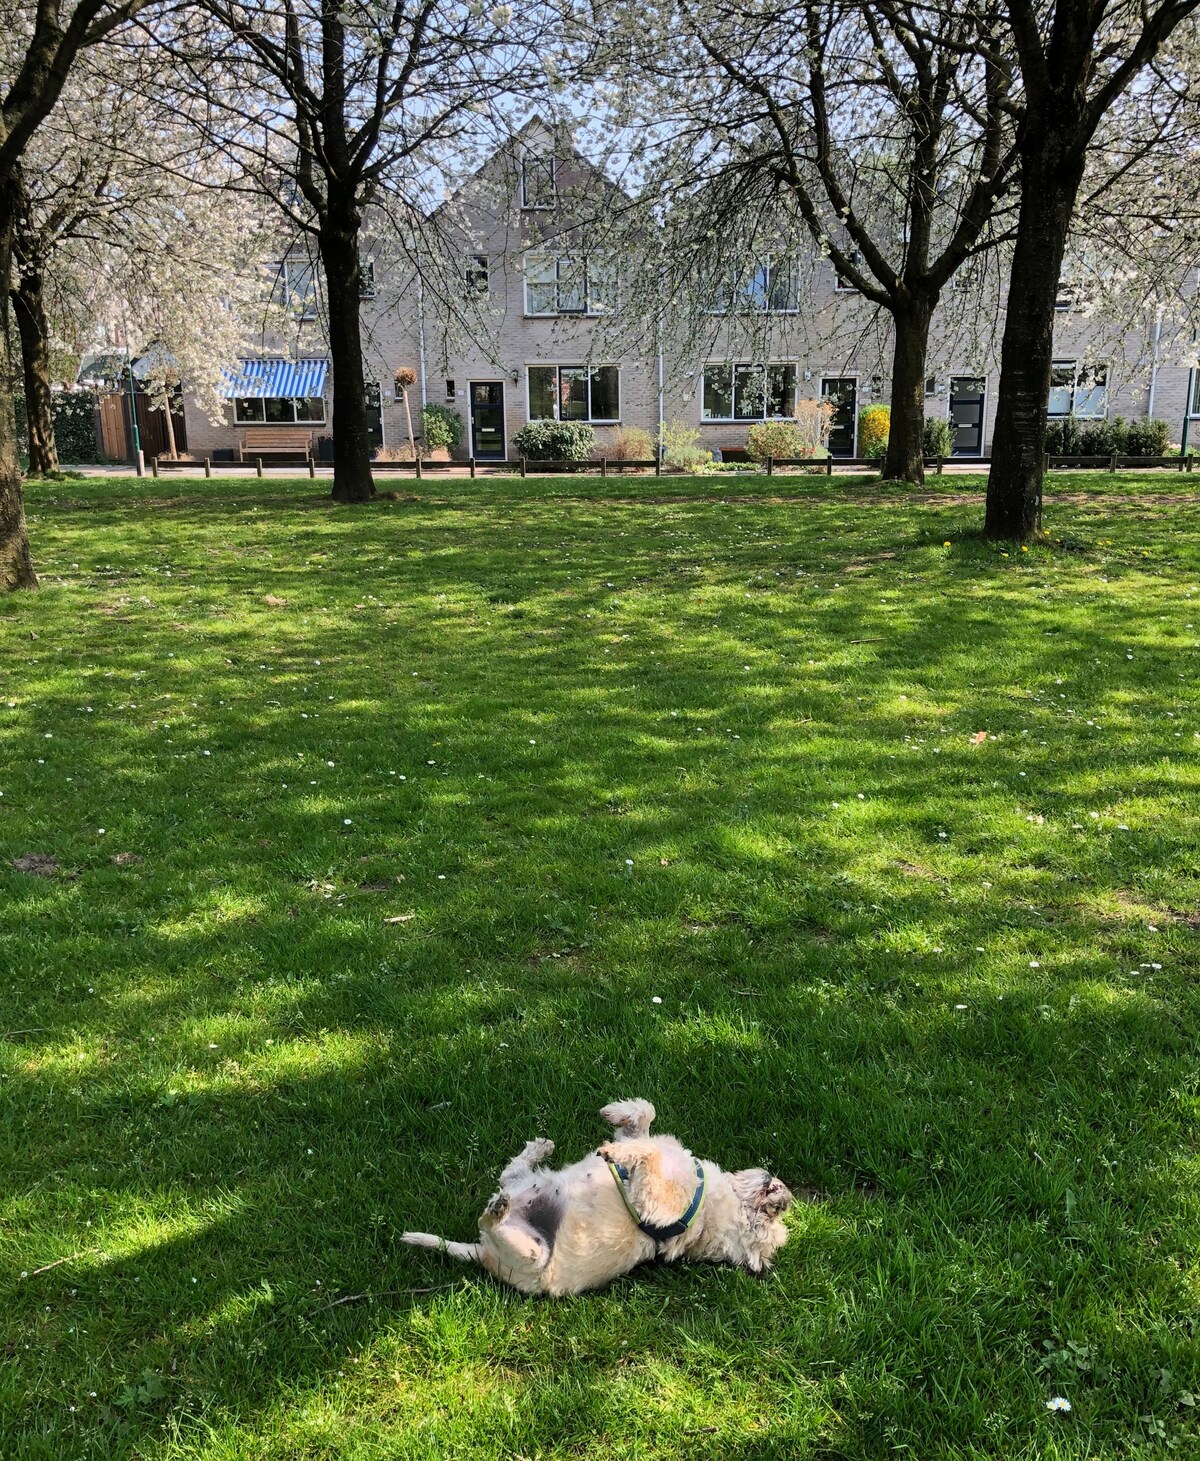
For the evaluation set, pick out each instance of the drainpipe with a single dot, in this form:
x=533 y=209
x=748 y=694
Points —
x=661 y=375
x=1187 y=412
x=421 y=335
x=1158 y=319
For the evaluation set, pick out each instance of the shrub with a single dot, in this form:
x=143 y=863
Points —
x=394 y=453
x=680 y=445
x=1062 y=437
x=937 y=440
x=774 y=439
x=1103 y=438
x=813 y=422
x=874 y=426
x=555 y=441
x=1147 y=438
x=441 y=427
x=631 y=444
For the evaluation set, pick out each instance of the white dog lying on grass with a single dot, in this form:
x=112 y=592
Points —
x=637 y=1197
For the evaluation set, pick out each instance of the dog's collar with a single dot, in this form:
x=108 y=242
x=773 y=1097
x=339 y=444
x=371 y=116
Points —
x=660 y=1233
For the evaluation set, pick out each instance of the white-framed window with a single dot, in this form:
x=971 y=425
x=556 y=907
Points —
x=1067 y=298
x=279 y=411
x=476 y=273
x=449 y=388
x=1078 y=389
x=569 y=284
x=294 y=285
x=840 y=283
x=930 y=385
x=772 y=287
x=748 y=392
x=1194 y=409
x=366 y=278
x=538 y=185
x=574 y=392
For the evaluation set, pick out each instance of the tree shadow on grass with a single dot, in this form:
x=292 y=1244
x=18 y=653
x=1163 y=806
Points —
x=275 y=1082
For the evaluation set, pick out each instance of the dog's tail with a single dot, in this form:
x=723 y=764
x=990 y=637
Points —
x=467 y=1252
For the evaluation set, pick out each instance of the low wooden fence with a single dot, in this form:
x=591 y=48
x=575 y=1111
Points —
x=605 y=466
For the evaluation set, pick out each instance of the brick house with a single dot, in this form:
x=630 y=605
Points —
x=537 y=336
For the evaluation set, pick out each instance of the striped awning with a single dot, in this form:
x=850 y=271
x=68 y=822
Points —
x=293 y=380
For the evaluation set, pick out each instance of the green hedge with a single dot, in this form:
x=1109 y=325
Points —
x=74 y=426
x=1072 y=437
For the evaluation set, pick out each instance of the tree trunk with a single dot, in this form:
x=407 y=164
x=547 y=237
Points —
x=412 y=440
x=172 y=452
x=16 y=566
x=29 y=308
x=1050 y=182
x=904 y=460
x=338 y=244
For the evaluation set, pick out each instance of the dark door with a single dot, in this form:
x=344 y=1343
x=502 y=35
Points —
x=842 y=394
x=487 y=420
x=374 y=415
x=966 y=414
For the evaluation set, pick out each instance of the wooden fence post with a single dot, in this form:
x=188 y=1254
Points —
x=417 y=459
x=522 y=466
x=208 y=466
x=258 y=465
x=658 y=465
x=312 y=469
x=154 y=466
x=1112 y=462
x=940 y=464
x=472 y=466
x=829 y=465
x=770 y=466
x=604 y=466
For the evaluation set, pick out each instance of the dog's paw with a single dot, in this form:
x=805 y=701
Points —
x=539 y=1150
x=497 y=1209
x=631 y=1117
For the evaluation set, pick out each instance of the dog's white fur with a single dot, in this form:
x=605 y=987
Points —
x=563 y=1232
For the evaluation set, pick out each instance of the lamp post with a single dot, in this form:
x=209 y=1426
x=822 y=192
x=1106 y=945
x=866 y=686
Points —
x=139 y=460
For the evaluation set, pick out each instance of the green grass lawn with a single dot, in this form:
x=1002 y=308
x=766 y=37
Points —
x=713 y=748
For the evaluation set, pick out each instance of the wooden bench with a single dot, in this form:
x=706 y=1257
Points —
x=257 y=441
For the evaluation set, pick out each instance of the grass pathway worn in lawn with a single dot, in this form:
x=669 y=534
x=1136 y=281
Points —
x=379 y=833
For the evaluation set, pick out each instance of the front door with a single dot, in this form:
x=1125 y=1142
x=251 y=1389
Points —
x=842 y=394
x=374 y=415
x=966 y=414
x=487 y=420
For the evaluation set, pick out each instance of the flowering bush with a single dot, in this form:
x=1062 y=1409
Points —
x=874 y=427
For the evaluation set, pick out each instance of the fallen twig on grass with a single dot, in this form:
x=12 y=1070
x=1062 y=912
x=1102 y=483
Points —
x=70 y=1258
x=388 y=1294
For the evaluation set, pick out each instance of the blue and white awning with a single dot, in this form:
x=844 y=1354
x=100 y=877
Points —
x=291 y=380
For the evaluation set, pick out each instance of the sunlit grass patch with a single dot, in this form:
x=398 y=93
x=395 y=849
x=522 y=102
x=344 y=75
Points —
x=387 y=838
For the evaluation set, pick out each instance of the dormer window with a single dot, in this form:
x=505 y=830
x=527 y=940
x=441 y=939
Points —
x=538 y=188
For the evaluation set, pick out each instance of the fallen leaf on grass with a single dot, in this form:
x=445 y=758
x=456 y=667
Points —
x=40 y=864
x=274 y=602
x=374 y=887
x=401 y=918
x=978 y=738
x=124 y=859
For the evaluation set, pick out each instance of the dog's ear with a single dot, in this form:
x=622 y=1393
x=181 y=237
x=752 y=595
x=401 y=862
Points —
x=773 y=1197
